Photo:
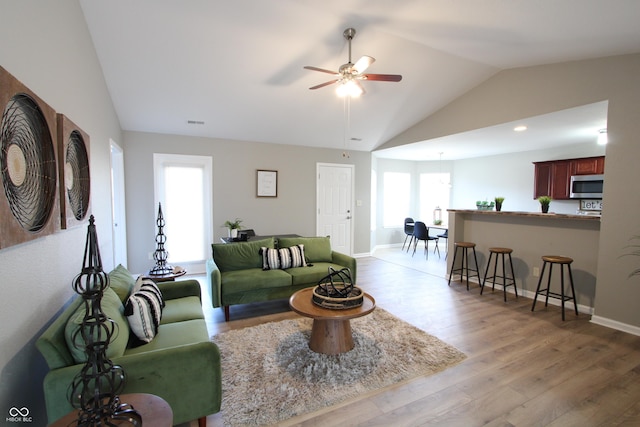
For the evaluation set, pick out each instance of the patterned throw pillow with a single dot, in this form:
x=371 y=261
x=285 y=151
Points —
x=144 y=309
x=273 y=259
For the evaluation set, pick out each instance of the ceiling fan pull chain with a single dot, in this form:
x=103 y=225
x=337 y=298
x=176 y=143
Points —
x=347 y=124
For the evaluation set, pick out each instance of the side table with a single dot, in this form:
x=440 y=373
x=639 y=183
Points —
x=154 y=410
x=331 y=330
x=168 y=277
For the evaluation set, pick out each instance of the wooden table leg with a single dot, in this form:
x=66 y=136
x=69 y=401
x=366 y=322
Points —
x=331 y=336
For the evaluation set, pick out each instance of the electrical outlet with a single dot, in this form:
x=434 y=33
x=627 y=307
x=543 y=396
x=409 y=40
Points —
x=536 y=271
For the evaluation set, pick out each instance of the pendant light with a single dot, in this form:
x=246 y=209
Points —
x=448 y=182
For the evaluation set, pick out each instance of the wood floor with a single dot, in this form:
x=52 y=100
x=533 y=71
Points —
x=522 y=368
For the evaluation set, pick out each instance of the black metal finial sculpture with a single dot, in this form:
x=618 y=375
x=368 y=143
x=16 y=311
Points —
x=160 y=255
x=337 y=291
x=94 y=391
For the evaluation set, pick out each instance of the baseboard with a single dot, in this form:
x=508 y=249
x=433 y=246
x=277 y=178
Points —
x=362 y=255
x=387 y=246
x=582 y=309
x=614 y=324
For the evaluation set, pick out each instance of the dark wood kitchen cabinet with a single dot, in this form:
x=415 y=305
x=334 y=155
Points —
x=542 y=179
x=587 y=166
x=553 y=178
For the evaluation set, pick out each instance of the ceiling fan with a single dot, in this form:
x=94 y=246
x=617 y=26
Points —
x=350 y=74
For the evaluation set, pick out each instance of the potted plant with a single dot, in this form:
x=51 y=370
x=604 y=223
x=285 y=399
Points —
x=544 y=203
x=484 y=205
x=233 y=227
x=499 y=201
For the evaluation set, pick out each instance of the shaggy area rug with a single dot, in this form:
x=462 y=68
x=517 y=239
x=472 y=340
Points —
x=269 y=374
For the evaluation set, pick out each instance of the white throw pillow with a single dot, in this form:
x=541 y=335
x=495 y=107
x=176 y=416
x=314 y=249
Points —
x=273 y=259
x=292 y=256
x=144 y=309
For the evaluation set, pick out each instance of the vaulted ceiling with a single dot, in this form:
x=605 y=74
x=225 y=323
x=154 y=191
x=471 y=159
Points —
x=234 y=69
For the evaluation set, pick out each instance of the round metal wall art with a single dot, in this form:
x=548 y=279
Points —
x=76 y=175
x=28 y=163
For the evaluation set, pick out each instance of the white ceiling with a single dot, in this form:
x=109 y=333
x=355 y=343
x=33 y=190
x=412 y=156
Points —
x=238 y=65
x=579 y=125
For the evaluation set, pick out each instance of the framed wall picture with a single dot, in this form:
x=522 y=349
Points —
x=267 y=183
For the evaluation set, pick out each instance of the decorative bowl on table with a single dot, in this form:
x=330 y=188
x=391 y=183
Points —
x=337 y=291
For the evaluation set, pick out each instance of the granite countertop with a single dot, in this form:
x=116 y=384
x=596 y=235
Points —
x=550 y=215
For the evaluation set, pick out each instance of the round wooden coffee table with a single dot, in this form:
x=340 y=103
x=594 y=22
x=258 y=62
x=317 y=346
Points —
x=154 y=410
x=331 y=330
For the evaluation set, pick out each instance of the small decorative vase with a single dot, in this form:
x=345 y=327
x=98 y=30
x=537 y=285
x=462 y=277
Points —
x=498 y=206
x=545 y=208
x=233 y=233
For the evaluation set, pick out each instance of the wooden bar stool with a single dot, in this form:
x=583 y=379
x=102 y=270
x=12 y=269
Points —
x=562 y=261
x=464 y=247
x=506 y=280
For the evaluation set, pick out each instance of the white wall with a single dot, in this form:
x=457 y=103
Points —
x=512 y=177
x=509 y=175
x=234 y=193
x=47 y=46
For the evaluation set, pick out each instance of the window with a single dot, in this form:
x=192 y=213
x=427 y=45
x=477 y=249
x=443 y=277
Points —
x=397 y=198
x=183 y=187
x=434 y=191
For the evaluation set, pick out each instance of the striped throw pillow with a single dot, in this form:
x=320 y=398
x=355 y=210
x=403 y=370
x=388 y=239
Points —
x=273 y=259
x=144 y=309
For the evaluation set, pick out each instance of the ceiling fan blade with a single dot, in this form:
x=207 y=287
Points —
x=322 y=70
x=324 y=84
x=383 y=77
x=363 y=63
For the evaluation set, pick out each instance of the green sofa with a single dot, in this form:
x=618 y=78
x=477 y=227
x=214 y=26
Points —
x=236 y=272
x=180 y=364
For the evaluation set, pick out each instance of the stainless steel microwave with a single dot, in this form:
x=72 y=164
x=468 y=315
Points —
x=586 y=186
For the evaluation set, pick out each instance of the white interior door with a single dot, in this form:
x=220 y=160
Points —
x=118 y=206
x=334 y=194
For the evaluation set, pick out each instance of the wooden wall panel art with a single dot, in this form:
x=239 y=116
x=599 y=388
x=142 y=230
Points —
x=29 y=197
x=75 y=179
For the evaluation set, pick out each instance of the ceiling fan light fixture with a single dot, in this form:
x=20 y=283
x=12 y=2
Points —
x=349 y=72
x=349 y=88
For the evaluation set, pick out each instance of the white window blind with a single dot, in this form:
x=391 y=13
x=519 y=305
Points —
x=434 y=191
x=183 y=187
x=397 y=198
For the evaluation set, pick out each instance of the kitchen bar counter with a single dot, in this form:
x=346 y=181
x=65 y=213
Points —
x=532 y=235
x=550 y=215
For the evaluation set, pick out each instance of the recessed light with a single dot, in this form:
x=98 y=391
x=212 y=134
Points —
x=520 y=128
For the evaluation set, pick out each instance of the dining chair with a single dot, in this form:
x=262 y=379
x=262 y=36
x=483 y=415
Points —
x=445 y=236
x=408 y=231
x=421 y=232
